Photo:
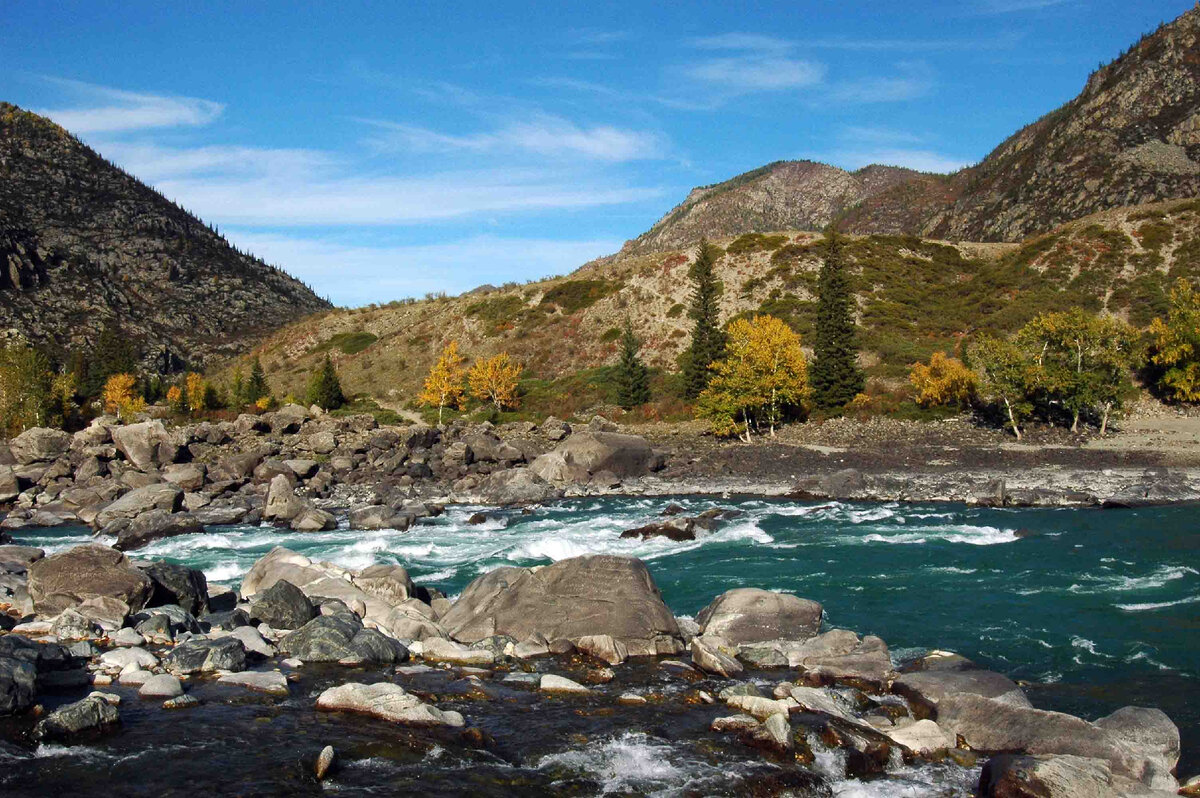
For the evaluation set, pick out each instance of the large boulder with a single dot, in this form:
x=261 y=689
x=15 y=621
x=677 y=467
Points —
x=93 y=714
x=573 y=598
x=185 y=476
x=515 y=486
x=70 y=577
x=206 y=656
x=341 y=636
x=750 y=615
x=989 y=725
x=10 y=488
x=386 y=701
x=840 y=655
x=159 y=496
x=177 y=584
x=39 y=445
x=1152 y=735
x=623 y=455
x=310 y=519
x=151 y=526
x=139 y=442
x=282 y=606
x=925 y=689
x=1010 y=776
x=282 y=502
x=18 y=685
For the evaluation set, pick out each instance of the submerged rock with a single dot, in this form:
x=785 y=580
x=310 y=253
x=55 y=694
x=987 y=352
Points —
x=90 y=714
x=386 y=701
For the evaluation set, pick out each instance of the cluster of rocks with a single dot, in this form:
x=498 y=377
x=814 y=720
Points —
x=141 y=482
x=99 y=617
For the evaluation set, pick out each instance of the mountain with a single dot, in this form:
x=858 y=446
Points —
x=1132 y=136
x=916 y=296
x=84 y=244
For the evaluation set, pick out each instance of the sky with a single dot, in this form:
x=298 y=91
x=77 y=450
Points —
x=380 y=150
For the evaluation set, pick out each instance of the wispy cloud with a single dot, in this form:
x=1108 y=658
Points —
x=756 y=72
x=911 y=81
x=1010 y=6
x=155 y=162
x=542 y=134
x=106 y=110
x=356 y=275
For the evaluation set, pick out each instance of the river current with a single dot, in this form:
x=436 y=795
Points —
x=1090 y=609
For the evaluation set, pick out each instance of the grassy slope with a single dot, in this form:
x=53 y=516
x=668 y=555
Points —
x=915 y=297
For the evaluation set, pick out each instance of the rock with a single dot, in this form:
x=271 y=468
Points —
x=332 y=638
x=205 y=656
x=378 y=517
x=92 y=570
x=813 y=699
x=389 y=583
x=1152 y=735
x=156 y=629
x=603 y=647
x=839 y=655
x=775 y=732
x=39 y=445
x=154 y=525
x=18 y=685
x=72 y=625
x=326 y=763
x=441 y=650
x=282 y=606
x=923 y=737
x=413 y=620
x=126 y=638
x=228 y=620
x=126 y=658
x=185 y=476
x=303 y=469
x=159 y=496
x=109 y=613
x=162 y=685
x=253 y=641
x=90 y=714
x=750 y=615
x=709 y=659
x=623 y=455
x=139 y=442
x=477 y=518
x=924 y=689
x=558 y=684
x=311 y=519
x=272 y=682
x=181 y=702
x=759 y=707
x=734 y=723
x=515 y=486
x=1008 y=776
x=570 y=599
x=677 y=529
x=10 y=488
x=221 y=516
x=135 y=677
x=221 y=598
x=386 y=701
x=178 y=584
x=989 y=725
x=282 y=502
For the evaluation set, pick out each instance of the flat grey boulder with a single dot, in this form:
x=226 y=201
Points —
x=134 y=533
x=310 y=519
x=159 y=496
x=925 y=689
x=570 y=599
x=92 y=570
x=272 y=682
x=379 y=516
x=205 y=656
x=161 y=685
x=551 y=683
x=515 y=486
x=91 y=714
x=840 y=655
x=39 y=445
x=386 y=701
x=282 y=606
x=750 y=615
x=622 y=455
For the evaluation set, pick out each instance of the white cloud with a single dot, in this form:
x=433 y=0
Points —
x=742 y=41
x=1009 y=6
x=912 y=81
x=756 y=72
x=153 y=162
x=107 y=110
x=541 y=134
x=358 y=275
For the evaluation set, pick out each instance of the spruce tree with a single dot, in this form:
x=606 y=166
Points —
x=325 y=389
x=835 y=376
x=112 y=354
x=257 y=386
x=708 y=340
x=632 y=378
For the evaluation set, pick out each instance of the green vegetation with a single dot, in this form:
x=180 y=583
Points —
x=633 y=379
x=572 y=296
x=1176 y=346
x=498 y=313
x=836 y=378
x=350 y=343
x=324 y=388
x=708 y=340
x=610 y=335
x=755 y=242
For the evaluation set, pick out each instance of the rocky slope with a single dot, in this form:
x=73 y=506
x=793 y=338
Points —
x=83 y=243
x=1132 y=136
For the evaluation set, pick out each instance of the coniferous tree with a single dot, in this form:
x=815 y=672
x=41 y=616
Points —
x=835 y=376
x=256 y=388
x=113 y=354
x=708 y=340
x=632 y=377
x=325 y=389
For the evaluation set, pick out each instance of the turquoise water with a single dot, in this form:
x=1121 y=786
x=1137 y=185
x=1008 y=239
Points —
x=1095 y=609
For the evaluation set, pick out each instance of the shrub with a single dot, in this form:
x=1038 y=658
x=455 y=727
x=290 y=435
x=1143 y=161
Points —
x=945 y=381
x=573 y=296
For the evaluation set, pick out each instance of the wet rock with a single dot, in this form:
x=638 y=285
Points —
x=388 y=702
x=178 y=584
x=570 y=599
x=89 y=715
x=922 y=737
x=326 y=763
x=708 y=658
x=72 y=625
x=253 y=641
x=205 y=656
x=750 y=615
x=814 y=699
x=18 y=685
x=603 y=647
x=162 y=685
x=550 y=683
x=282 y=606
x=151 y=526
x=181 y=702
x=70 y=577
x=925 y=689
x=775 y=732
x=272 y=682
x=734 y=723
x=676 y=529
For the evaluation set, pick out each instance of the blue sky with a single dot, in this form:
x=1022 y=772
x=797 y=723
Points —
x=382 y=150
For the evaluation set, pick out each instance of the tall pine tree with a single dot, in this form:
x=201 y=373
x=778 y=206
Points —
x=834 y=375
x=325 y=389
x=708 y=340
x=632 y=378
x=256 y=388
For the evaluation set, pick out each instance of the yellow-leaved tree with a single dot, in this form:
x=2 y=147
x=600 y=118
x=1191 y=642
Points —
x=764 y=373
x=444 y=385
x=1177 y=345
x=196 y=388
x=175 y=399
x=944 y=381
x=121 y=398
x=494 y=379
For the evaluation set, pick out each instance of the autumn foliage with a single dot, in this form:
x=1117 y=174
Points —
x=444 y=385
x=1177 y=345
x=120 y=397
x=494 y=380
x=943 y=381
